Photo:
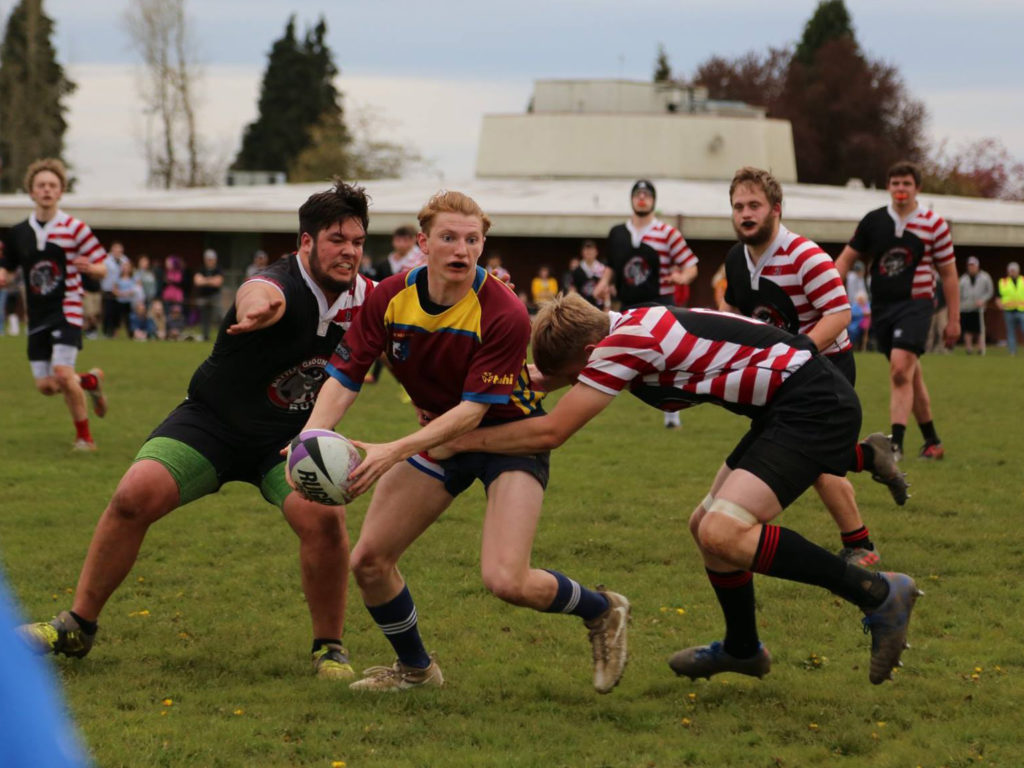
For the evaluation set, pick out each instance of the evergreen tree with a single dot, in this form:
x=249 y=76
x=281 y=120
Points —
x=33 y=86
x=662 y=69
x=298 y=108
x=852 y=117
x=831 y=21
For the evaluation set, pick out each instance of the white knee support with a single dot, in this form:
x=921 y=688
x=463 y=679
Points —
x=708 y=501
x=733 y=510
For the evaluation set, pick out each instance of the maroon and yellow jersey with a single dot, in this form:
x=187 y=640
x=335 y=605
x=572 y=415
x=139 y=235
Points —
x=473 y=350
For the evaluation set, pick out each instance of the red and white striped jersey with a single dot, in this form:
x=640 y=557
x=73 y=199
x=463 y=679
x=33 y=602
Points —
x=672 y=249
x=809 y=281
x=675 y=358
x=903 y=252
x=46 y=254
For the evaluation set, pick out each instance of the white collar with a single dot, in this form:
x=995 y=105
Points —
x=901 y=223
x=756 y=269
x=638 y=234
x=43 y=230
x=327 y=313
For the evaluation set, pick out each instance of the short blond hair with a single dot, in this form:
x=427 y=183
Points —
x=448 y=201
x=51 y=164
x=761 y=179
x=563 y=328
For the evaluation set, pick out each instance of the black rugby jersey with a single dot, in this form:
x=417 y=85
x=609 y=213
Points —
x=902 y=252
x=45 y=252
x=264 y=383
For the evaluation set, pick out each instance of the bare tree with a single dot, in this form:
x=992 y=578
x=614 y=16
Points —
x=160 y=32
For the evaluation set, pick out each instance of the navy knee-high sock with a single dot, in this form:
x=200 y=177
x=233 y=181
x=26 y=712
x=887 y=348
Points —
x=398 y=621
x=576 y=599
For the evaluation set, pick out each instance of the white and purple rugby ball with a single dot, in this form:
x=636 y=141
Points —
x=319 y=462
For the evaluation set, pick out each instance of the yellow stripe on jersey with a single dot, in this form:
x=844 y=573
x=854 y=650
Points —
x=405 y=311
x=525 y=399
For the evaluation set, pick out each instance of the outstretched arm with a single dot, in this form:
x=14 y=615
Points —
x=258 y=304
x=542 y=433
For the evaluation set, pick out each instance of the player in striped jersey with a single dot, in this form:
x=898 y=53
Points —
x=647 y=259
x=53 y=250
x=902 y=242
x=786 y=280
x=246 y=401
x=805 y=418
x=456 y=338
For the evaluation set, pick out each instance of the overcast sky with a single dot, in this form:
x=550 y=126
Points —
x=429 y=70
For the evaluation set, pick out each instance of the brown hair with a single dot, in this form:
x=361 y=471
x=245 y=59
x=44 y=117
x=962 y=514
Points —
x=342 y=201
x=447 y=201
x=51 y=164
x=562 y=330
x=904 y=168
x=760 y=178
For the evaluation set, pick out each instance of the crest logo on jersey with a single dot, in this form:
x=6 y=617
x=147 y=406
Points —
x=43 y=278
x=637 y=271
x=772 y=305
x=399 y=350
x=296 y=388
x=894 y=261
x=766 y=313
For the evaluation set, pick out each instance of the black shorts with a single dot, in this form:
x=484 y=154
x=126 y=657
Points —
x=459 y=472
x=42 y=342
x=902 y=325
x=970 y=322
x=809 y=429
x=234 y=456
x=845 y=363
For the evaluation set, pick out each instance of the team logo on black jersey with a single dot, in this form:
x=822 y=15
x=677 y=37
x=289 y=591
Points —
x=766 y=313
x=43 y=278
x=895 y=261
x=637 y=271
x=296 y=388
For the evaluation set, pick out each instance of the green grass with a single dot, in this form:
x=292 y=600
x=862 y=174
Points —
x=213 y=617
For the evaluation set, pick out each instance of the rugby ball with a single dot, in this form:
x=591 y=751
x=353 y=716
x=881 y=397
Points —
x=319 y=462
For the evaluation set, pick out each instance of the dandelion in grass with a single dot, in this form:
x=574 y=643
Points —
x=168 y=702
x=691 y=696
x=144 y=612
x=239 y=711
x=338 y=764
x=686 y=722
x=812 y=726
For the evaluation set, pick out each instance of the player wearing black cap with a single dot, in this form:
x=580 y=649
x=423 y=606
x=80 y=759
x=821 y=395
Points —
x=647 y=258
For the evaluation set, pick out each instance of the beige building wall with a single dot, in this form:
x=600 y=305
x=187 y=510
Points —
x=684 y=146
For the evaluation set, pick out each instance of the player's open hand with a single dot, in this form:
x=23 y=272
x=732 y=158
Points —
x=378 y=459
x=259 y=314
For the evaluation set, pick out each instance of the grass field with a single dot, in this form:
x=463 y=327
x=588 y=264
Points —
x=202 y=658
